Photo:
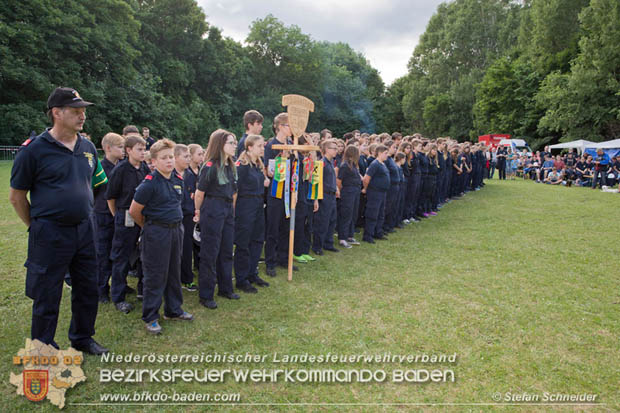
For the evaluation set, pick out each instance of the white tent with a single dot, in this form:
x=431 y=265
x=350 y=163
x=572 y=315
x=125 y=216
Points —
x=605 y=145
x=580 y=145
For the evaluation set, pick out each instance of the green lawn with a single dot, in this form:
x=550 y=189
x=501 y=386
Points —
x=520 y=280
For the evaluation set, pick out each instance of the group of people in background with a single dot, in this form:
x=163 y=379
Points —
x=168 y=209
x=562 y=169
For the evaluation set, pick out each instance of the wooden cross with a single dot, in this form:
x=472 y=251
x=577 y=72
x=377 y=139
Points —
x=298 y=109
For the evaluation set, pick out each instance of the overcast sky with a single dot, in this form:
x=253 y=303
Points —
x=386 y=32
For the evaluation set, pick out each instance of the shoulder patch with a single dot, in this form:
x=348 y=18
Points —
x=27 y=142
x=209 y=163
x=148 y=177
x=179 y=176
x=238 y=163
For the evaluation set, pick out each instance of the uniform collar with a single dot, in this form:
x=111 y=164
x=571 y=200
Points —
x=48 y=137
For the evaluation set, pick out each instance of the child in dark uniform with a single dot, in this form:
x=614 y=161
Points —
x=249 y=214
x=376 y=183
x=323 y=237
x=214 y=202
x=349 y=183
x=182 y=160
x=156 y=207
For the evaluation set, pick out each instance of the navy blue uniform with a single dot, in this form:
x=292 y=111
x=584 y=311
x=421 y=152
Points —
x=249 y=223
x=349 y=200
x=402 y=192
x=304 y=218
x=162 y=243
x=375 y=200
x=104 y=233
x=241 y=145
x=217 y=226
x=277 y=225
x=122 y=185
x=391 y=200
x=61 y=233
x=190 y=179
x=325 y=224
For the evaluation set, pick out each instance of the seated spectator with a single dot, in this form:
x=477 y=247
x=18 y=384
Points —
x=559 y=164
x=554 y=177
x=547 y=166
x=615 y=169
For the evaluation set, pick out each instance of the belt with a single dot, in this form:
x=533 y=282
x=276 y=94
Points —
x=229 y=200
x=164 y=224
x=60 y=224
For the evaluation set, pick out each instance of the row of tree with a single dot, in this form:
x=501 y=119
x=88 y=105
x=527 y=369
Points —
x=547 y=70
x=158 y=63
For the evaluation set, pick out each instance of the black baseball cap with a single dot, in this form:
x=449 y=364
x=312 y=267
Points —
x=66 y=96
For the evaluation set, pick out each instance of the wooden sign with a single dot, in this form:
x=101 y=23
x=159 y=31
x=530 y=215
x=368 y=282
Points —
x=298 y=109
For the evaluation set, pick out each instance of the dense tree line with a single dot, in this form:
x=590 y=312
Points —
x=547 y=70
x=159 y=63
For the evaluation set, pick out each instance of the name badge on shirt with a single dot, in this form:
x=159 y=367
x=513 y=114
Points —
x=129 y=222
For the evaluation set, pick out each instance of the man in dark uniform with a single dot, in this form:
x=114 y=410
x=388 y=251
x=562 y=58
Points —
x=58 y=169
x=146 y=135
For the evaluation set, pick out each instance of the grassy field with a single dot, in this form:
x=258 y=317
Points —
x=520 y=280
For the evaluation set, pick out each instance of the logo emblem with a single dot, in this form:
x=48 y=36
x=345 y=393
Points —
x=36 y=384
x=90 y=158
x=76 y=94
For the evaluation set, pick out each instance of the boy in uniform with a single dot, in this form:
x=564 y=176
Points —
x=125 y=177
x=253 y=123
x=113 y=147
x=323 y=237
x=181 y=165
x=156 y=208
x=376 y=183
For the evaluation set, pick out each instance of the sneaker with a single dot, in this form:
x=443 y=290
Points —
x=183 y=317
x=190 y=287
x=406 y=221
x=300 y=259
x=344 y=244
x=426 y=215
x=433 y=213
x=308 y=258
x=247 y=288
x=153 y=327
x=353 y=241
x=139 y=296
x=271 y=271
x=260 y=282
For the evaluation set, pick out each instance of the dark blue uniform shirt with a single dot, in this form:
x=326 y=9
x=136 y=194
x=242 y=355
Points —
x=423 y=159
x=401 y=173
x=350 y=177
x=187 y=203
x=379 y=176
x=123 y=181
x=190 y=180
x=363 y=164
x=59 y=180
x=329 y=176
x=161 y=197
x=209 y=184
x=250 y=180
x=393 y=169
x=415 y=164
x=241 y=145
x=101 y=205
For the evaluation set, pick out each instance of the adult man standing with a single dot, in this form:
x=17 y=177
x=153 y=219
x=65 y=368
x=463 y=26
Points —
x=59 y=168
x=146 y=135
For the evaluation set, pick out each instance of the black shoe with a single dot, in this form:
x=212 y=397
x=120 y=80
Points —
x=123 y=307
x=271 y=271
x=230 y=296
x=260 y=282
x=104 y=299
x=210 y=304
x=129 y=290
x=286 y=266
x=317 y=252
x=55 y=345
x=391 y=230
x=370 y=241
x=382 y=238
x=92 y=347
x=332 y=249
x=247 y=288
